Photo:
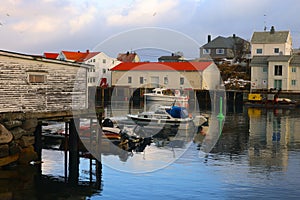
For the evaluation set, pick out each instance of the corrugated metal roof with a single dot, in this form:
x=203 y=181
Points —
x=269 y=38
x=162 y=66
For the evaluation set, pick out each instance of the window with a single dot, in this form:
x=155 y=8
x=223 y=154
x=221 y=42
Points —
x=166 y=80
x=37 y=78
x=265 y=69
x=293 y=82
x=219 y=51
x=259 y=51
x=206 y=51
x=129 y=79
x=104 y=61
x=103 y=71
x=181 y=80
x=92 y=80
x=294 y=69
x=278 y=84
x=141 y=80
x=278 y=70
x=276 y=50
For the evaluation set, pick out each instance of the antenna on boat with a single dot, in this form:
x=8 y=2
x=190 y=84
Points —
x=173 y=104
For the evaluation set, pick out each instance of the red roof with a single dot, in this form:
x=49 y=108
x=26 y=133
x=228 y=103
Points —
x=51 y=55
x=162 y=66
x=79 y=56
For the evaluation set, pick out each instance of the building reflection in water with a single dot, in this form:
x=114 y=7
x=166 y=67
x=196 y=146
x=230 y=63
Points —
x=271 y=133
x=266 y=137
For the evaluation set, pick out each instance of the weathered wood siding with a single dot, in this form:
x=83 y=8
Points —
x=64 y=85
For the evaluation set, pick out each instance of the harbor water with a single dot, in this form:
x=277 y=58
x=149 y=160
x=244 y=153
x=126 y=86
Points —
x=256 y=157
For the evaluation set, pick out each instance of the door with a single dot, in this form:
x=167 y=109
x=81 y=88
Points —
x=278 y=84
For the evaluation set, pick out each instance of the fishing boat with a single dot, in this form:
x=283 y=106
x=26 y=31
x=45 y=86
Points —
x=166 y=95
x=168 y=117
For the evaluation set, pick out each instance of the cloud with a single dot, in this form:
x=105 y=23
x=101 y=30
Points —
x=144 y=13
x=82 y=19
x=43 y=24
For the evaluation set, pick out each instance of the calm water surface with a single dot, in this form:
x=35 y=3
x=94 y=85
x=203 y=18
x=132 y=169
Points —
x=257 y=157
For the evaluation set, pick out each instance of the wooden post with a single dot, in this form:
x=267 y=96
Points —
x=38 y=140
x=98 y=174
x=73 y=152
x=66 y=149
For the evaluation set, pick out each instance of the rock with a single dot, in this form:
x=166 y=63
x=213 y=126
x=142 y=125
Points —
x=5 y=135
x=14 y=148
x=27 y=155
x=9 y=159
x=17 y=132
x=26 y=141
x=4 y=150
x=30 y=124
x=12 y=124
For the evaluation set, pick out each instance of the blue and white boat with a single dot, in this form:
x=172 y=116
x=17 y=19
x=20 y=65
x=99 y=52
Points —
x=168 y=116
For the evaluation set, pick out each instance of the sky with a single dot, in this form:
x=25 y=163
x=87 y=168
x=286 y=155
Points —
x=115 y=26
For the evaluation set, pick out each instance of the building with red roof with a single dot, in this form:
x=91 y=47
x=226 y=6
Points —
x=173 y=75
x=51 y=55
x=128 y=57
x=99 y=74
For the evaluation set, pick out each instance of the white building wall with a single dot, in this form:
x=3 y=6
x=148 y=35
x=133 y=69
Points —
x=102 y=65
x=283 y=77
x=209 y=79
x=259 y=78
x=268 y=49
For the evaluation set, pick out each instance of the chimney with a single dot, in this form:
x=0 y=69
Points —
x=272 y=31
x=87 y=51
x=208 y=38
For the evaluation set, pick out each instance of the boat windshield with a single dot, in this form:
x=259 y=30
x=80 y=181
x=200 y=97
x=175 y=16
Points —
x=178 y=112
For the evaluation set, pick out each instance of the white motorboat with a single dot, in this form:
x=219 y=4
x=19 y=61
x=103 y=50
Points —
x=166 y=95
x=168 y=117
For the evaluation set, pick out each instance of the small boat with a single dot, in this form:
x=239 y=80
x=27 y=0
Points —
x=168 y=117
x=269 y=101
x=166 y=95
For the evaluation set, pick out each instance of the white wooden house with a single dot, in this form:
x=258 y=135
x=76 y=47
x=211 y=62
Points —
x=273 y=65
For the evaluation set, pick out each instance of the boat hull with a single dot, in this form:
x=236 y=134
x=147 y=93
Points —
x=162 y=123
x=270 y=105
x=150 y=97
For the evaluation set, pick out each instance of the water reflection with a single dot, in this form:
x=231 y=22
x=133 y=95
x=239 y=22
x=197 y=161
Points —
x=266 y=136
x=257 y=155
x=27 y=182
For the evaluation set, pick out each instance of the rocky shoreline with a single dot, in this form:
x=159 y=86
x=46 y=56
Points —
x=17 y=141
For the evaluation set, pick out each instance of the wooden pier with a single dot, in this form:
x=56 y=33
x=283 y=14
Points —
x=34 y=90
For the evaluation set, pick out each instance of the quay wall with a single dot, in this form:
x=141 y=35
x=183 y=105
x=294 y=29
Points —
x=17 y=139
x=122 y=94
